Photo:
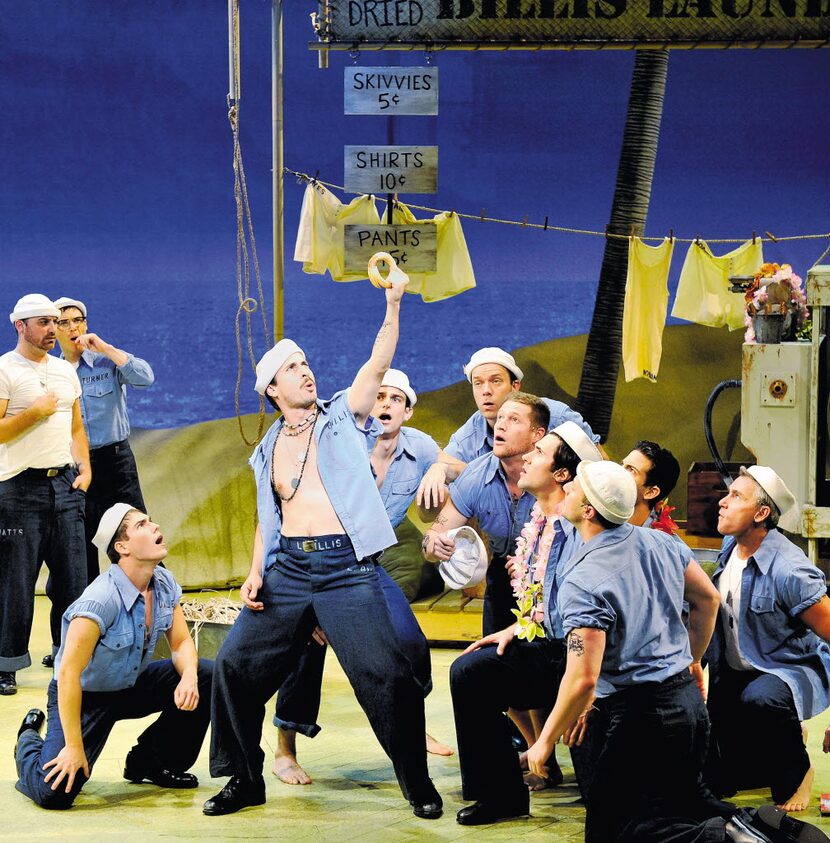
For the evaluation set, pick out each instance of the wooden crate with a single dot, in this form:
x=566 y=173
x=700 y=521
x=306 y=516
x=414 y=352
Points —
x=705 y=488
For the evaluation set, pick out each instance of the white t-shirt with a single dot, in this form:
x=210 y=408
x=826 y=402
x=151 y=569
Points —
x=729 y=586
x=47 y=443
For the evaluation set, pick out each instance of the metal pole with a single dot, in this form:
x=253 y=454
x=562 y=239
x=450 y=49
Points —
x=277 y=164
x=233 y=93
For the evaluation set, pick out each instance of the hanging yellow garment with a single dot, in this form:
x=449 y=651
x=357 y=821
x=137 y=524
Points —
x=454 y=269
x=703 y=290
x=319 y=242
x=646 y=300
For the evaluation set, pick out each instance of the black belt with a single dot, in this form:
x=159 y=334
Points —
x=50 y=472
x=312 y=545
x=113 y=447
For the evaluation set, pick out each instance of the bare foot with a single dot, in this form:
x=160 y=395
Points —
x=801 y=798
x=535 y=782
x=435 y=747
x=287 y=770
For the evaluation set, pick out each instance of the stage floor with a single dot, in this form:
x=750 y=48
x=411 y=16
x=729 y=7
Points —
x=354 y=795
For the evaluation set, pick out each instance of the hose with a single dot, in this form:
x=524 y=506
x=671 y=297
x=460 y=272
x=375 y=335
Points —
x=707 y=428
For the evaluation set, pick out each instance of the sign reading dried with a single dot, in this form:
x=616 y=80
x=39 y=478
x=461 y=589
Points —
x=414 y=247
x=469 y=24
x=390 y=90
x=391 y=169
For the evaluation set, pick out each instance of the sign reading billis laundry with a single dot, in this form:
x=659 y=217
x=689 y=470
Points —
x=390 y=91
x=391 y=169
x=531 y=24
x=414 y=247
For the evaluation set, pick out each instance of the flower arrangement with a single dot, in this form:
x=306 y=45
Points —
x=777 y=291
x=529 y=562
x=661 y=518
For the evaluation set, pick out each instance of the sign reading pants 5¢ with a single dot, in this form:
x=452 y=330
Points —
x=391 y=169
x=414 y=247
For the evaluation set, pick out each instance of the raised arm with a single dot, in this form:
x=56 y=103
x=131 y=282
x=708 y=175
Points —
x=364 y=390
x=81 y=638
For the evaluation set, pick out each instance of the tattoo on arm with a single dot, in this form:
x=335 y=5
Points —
x=575 y=644
x=381 y=337
x=439 y=521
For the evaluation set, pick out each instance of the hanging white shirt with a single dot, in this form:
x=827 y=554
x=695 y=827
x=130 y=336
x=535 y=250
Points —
x=729 y=586
x=47 y=444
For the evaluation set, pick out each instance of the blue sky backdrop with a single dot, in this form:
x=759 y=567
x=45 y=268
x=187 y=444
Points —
x=117 y=183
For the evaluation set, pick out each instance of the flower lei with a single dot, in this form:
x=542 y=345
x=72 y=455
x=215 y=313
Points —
x=529 y=563
x=662 y=520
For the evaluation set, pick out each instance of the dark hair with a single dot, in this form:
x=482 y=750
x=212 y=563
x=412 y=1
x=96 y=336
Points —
x=539 y=412
x=270 y=400
x=565 y=457
x=120 y=534
x=664 y=471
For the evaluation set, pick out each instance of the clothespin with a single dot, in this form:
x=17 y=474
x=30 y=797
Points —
x=633 y=232
x=546 y=224
x=671 y=235
x=771 y=236
x=753 y=238
x=482 y=215
x=697 y=240
x=607 y=232
x=524 y=221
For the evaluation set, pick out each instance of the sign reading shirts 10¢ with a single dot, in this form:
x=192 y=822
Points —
x=414 y=247
x=390 y=90
x=391 y=169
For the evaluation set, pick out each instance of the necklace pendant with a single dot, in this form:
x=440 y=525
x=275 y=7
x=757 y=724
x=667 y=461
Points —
x=295 y=481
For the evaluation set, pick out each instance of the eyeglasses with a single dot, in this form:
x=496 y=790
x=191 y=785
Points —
x=65 y=323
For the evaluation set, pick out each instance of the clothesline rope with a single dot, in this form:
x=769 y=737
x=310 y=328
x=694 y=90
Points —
x=567 y=230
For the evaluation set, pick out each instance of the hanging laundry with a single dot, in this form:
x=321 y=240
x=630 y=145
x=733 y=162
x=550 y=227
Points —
x=646 y=300
x=319 y=242
x=454 y=269
x=703 y=290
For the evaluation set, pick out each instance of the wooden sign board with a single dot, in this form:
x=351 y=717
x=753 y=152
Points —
x=414 y=247
x=562 y=24
x=391 y=169
x=390 y=90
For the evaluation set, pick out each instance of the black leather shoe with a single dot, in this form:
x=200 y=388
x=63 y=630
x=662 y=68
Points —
x=737 y=831
x=48 y=660
x=34 y=719
x=429 y=808
x=137 y=771
x=483 y=813
x=8 y=684
x=777 y=825
x=234 y=796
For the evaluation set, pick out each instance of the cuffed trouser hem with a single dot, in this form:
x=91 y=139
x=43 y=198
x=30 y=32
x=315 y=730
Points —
x=310 y=731
x=12 y=664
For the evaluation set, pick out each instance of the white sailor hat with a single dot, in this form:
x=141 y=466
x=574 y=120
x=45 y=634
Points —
x=773 y=485
x=399 y=380
x=468 y=564
x=609 y=488
x=109 y=524
x=272 y=361
x=581 y=444
x=65 y=301
x=34 y=304
x=493 y=355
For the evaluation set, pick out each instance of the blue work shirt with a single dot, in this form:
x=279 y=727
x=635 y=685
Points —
x=629 y=582
x=414 y=454
x=116 y=605
x=481 y=492
x=559 y=563
x=103 y=395
x=343 y=465
x=475 y=436
x=778 y=583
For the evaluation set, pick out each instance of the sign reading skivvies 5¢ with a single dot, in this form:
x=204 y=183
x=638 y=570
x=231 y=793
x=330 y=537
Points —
x=390 y=90
x=391 y=169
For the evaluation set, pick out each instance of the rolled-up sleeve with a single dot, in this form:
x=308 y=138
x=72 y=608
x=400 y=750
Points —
x=101 y=613
x=581 y=609
x=463 y=495
x=804 y=587
x=135 y=372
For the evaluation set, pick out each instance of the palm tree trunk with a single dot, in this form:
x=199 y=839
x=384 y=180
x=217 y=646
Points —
x=629 y=209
